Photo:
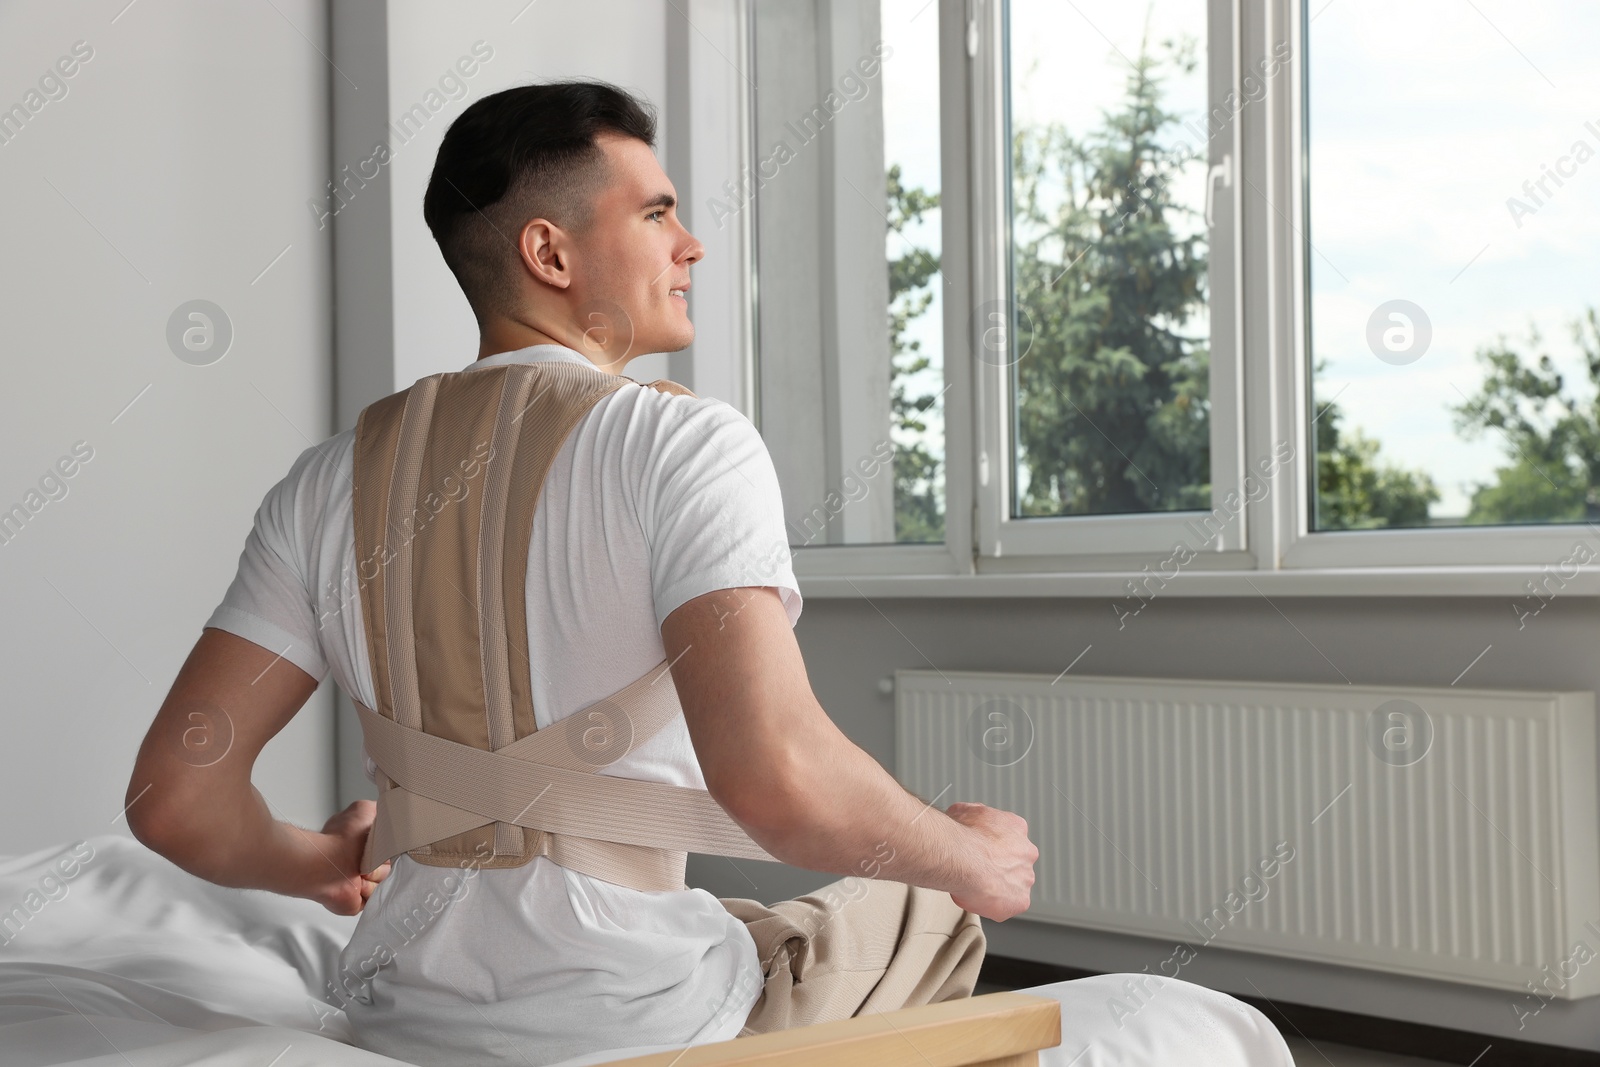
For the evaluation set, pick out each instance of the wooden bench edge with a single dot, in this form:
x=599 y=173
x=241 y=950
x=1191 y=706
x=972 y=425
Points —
x=952 y=1033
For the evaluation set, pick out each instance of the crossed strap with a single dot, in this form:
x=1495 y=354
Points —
x=622 y=830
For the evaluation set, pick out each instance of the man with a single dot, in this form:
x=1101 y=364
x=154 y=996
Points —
x=658 y=534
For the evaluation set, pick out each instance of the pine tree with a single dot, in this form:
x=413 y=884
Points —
x=1113 y=410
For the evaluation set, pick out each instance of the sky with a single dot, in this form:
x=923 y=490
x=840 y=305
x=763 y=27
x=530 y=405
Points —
x=1424 y=118
x=911 y=139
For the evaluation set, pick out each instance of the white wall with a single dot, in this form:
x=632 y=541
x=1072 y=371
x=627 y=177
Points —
x=174 y=167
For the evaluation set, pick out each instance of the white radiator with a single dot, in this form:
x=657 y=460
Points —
x=1447 y=833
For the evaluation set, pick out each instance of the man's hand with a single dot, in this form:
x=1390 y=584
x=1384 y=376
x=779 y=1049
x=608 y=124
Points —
x=339 y=884
x=1007 y=888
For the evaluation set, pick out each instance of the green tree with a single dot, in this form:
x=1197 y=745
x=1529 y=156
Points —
x=1357 y=492
x=918 y=501
x=1552 y=436
x=1113 y=407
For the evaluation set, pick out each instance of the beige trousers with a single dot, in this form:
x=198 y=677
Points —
x=858 y=946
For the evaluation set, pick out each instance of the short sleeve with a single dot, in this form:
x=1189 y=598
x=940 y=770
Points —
x=713 y=511
x=268 y=602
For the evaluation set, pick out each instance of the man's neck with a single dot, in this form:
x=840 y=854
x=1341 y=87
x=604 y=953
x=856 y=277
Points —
x=505 y=335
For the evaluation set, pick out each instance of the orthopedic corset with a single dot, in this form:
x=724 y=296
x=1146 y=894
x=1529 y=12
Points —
x=447 y=475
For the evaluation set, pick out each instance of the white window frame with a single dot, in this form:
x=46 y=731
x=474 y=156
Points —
x=1533 y=544
x=1000 y=535
x=1260 y=381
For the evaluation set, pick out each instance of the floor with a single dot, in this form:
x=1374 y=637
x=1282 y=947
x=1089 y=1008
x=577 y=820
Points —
x=1320 y=1053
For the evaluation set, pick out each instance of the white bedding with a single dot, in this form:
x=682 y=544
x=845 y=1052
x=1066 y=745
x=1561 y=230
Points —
x=110 y=956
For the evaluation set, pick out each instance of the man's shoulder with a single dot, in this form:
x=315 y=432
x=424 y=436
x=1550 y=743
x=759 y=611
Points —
x=668 y=397
x=319 y=470
x=667 y=450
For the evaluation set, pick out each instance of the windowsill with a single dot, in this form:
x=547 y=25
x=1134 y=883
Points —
x=1506 y=581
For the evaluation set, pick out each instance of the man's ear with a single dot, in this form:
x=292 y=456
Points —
x=545 y=250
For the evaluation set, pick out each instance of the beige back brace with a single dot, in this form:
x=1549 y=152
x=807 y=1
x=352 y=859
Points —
x=447 y=475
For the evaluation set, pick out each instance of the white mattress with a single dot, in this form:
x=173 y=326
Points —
x=133 y=962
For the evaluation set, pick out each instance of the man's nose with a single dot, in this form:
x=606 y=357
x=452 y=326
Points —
x=695 y=252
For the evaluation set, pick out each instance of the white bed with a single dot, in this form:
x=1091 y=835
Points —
x=133 y=962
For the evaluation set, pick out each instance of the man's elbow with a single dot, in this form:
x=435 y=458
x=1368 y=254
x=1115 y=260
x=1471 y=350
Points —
x=147 y=827
x=767 y=797
x=152 y=816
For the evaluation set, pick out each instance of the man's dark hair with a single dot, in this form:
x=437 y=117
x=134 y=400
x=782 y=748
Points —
x=523 y=153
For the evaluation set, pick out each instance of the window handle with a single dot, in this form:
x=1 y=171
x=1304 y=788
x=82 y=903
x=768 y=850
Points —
x=1223 y=170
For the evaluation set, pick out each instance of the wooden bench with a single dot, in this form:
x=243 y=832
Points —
x=994 y=1030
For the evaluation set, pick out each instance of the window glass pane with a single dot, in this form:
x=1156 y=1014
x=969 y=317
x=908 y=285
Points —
x=916 y=282
x=1452 y=192
x=846 y=184
x=1108 y=339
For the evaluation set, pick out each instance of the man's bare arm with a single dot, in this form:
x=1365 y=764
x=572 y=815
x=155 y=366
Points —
x=803 y=790
x=190 y=797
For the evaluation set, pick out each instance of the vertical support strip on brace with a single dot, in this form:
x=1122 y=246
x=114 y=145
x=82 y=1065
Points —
x=414 y=425
x=565 y=393
x=508 y=837
x=377 y=436
x=491 y=562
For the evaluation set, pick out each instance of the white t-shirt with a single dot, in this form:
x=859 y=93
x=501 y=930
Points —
x=652 y=500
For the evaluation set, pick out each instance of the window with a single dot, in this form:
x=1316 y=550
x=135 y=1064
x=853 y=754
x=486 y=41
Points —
x=852 y=348
x=1235 y=282
x=1113 y=125
x=1109 y=357
x=1451 y=255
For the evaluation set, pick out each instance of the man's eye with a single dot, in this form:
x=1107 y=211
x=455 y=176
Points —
x=653 y=214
